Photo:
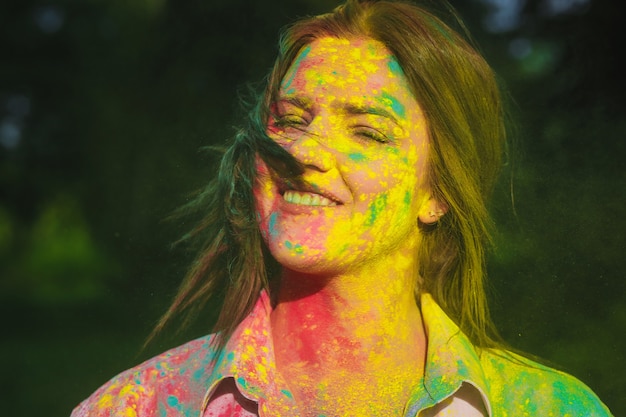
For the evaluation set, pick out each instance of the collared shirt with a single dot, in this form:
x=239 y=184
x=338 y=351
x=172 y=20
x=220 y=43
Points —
x=189 y=381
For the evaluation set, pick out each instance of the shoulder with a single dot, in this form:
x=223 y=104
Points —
x=170 y=384
x=520 y=386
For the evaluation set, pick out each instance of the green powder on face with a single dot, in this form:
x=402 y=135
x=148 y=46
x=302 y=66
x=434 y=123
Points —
x=376 y=208
x=395 y=105
x=395 y=68
x=297 y=248
x=357 y=157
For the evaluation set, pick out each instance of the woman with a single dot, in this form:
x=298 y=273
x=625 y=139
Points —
x=346 y=234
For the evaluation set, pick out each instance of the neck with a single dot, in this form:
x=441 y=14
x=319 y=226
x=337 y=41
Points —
x=363 y=325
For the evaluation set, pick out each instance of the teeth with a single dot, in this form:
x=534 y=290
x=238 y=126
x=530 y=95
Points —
x=307 y=199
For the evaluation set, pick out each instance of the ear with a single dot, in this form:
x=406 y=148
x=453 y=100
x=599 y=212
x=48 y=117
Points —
x=432 y=211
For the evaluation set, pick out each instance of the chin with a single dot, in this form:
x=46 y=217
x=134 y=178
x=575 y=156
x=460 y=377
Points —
x=318 y=263
x=298 y=262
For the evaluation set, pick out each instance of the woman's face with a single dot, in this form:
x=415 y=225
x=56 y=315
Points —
x=346 y=112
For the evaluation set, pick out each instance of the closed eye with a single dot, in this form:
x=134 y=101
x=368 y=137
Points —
x=290 y=120
x=370 y=133
x=287 y=127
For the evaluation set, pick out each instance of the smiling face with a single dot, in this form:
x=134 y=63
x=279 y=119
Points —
x=345 y=110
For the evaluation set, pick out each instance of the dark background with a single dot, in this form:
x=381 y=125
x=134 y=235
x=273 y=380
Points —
x=105 y=104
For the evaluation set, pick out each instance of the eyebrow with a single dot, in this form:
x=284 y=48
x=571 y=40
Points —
x=355 y=109
x=300 y=102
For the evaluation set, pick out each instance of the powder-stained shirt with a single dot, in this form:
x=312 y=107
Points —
x=189 y=381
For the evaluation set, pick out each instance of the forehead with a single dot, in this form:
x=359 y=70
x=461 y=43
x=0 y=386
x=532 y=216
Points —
x=344 y=63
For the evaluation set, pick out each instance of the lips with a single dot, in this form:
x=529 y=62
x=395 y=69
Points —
x=306 y=194
x=307 y=199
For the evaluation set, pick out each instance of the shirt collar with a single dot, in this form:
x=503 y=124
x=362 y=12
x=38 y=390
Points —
x=451 y=360
x=248 y=358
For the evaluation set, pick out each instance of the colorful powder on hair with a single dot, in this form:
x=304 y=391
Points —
x=446 y=34
x=292 y=73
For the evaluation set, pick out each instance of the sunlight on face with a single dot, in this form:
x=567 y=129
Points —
x=346 y=111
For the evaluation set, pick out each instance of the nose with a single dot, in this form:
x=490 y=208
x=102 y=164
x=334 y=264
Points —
x=309 y=150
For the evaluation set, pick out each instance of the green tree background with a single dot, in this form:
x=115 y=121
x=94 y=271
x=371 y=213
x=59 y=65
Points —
x=104 y=106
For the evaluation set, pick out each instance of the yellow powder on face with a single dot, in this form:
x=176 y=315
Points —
x=362 y=138
x=356 y=54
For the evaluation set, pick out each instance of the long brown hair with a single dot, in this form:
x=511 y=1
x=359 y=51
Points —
x=459 y=95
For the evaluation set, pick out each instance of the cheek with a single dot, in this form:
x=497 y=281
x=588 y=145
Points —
x=390 y=190
x=374 y=174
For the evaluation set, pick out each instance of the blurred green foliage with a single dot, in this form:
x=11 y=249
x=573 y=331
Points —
x=105 y=104
x=59 y=262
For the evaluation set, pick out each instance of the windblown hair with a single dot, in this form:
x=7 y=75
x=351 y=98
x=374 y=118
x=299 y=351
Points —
x=459 y=94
